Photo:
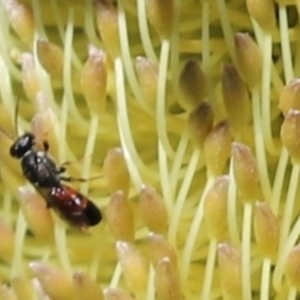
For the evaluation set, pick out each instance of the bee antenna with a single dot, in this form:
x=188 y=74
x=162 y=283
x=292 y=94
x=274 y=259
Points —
x=16 y=117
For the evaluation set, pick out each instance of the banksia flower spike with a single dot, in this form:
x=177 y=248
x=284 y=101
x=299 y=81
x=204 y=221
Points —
x=170 y=134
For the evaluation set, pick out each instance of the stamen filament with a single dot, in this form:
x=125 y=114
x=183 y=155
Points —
x=227 y=30
x=285 y=44
x=68 y=89
x=279 y=180
x=265 y=95
x=115 y=279
x=89 y=151
x=161 y=100
x=165 y=177
x=182 y=195
x=20 y=231
x=232 y=209
x=144 y=30
x=265 y=279
x=192 y=233
x=246 y=255
x=285 y=225
x=127 y=61
x=205 y=37
x=62 y=247
x=130 y=153
x=209 y=270
x=178 y=161
x=89 y=24
x=259 y=145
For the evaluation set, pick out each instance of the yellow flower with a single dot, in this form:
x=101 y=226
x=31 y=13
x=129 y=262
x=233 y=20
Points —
x=184 y=118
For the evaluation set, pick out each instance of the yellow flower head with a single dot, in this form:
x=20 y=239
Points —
x=184 y=119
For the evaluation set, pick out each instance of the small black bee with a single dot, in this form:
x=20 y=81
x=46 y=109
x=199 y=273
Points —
x=45 y=175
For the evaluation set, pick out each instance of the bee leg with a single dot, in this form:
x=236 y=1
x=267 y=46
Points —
x=61 y=169
x=72 y=179
x=46 y=146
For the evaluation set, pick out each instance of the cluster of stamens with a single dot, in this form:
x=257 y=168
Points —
x=191 y=112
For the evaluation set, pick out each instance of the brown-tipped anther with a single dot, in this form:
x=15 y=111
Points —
x=21 y=20
x=107 y=23
x=6 y=241
x=86 y=288
x=120 y=218
x=263 y=12
x=290 y=134
x=200 y=122
x=23 y=288
x=159 y=248
x=249 y=59
x=167 y=285
x=292 y=267
x=217 y=146
x=215 y=209
x=245 y=173
x=290 y=96
x=147 y=76
x=153 y=209
x=117 y=294
x=192 y=85
x=134 y=266
x=51 y=58
x=44 y=124
x=36 y=213
x=160 y=14
x=94 y=80
x=116 y=172
x=229 y=260
x=29 y=77
x=236 y=98
x=55 y=282
x=266 y=229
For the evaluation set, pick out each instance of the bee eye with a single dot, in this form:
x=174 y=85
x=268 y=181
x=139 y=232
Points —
x=13 y=151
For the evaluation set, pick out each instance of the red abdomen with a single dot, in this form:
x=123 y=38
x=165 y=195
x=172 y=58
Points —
x=73 y=207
